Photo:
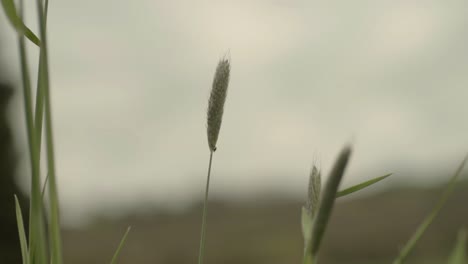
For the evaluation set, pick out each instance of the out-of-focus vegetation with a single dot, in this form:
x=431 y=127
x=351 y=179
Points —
x=363 y=230
x=9 y=250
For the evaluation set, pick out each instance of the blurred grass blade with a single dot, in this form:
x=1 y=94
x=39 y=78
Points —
x=435 y=211
x=306 y=223
x=458 y=255
x=39 y=112
x=21 y=232
x=44 y=186
x=36 y=228
x=119 y=248
x=17 y=22
x=361 y=186
x=54 y=223
x=326 y=205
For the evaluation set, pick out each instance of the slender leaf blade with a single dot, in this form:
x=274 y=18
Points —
x=121 y=244
x=17 y=22
x=406 y=250
x=21 y=232
x=458 y=255
x=54 y=222
x=36 y=228
x=360 y=186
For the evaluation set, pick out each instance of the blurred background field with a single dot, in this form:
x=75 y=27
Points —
x=129 y=94
x=363 y=230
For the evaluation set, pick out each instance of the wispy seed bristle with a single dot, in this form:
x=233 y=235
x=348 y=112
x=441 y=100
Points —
x=216 y=102
x=313 y=194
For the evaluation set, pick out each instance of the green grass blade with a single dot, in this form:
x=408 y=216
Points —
x=119 y=248
x=54 y=226
x=39 y=112
x=17 y=22
x=360 y=186
x=21 y=232
x=44 y=186
x=327 y=201
x=458 y=255
x=36 y=231
x=435 y=211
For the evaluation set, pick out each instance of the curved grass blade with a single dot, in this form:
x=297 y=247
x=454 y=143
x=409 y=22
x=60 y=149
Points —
x=36 y=228
x=21 y=232
x=360 y=186
x=119 y=248
x=326 y=205
x=15 y=20
x=435 y=211
x=458 y=255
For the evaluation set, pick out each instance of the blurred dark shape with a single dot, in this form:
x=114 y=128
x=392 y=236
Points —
x=365 y=230
x=9 y=242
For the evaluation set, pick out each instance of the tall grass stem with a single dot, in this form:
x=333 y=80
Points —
x=205 y=211
x=54 y=227
x=36 y=231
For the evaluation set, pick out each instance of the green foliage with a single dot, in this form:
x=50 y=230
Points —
x=10 y=11
x=360 y=186
x=409 y=246
x=37 y=239
x=35 y=119
x=121 y=244
x=458 y=255
x=314 y=216
x=21 y=232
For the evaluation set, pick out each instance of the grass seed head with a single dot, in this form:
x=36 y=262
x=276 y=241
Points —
x=313 y=194
x=216 y=102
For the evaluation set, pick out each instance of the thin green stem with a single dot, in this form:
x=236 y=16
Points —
x=205 y=209
x=36 y=240
x=54 y=230
x=39 y=111
x=435 y=211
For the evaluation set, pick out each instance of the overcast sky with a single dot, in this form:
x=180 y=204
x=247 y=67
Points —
x=131 y=79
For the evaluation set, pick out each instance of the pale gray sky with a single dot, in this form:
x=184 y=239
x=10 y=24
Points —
x=130 y=82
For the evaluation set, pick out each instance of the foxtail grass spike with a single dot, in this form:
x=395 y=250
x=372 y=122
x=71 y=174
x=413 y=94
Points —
x=313 y=194
x=327 y=200
x=216 y=102
x=214 y=119
x=310 y=208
